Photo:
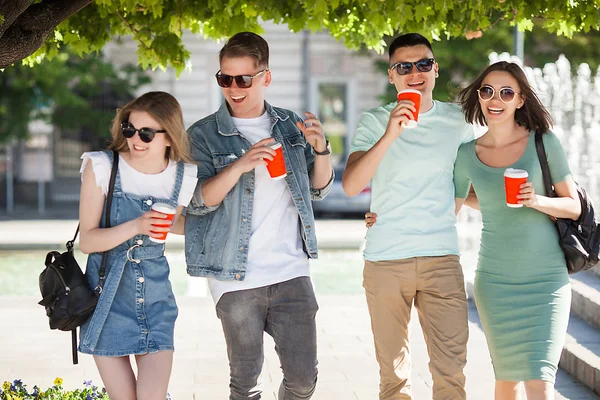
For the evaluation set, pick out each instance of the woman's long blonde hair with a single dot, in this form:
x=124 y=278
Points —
x=165 y=110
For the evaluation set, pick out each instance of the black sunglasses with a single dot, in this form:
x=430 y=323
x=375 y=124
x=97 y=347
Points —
x=405 y=67
x=242 y=81
x=146 y=134
x=486 y=93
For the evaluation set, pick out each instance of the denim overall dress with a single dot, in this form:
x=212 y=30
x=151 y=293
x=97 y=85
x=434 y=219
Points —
x=136 y=311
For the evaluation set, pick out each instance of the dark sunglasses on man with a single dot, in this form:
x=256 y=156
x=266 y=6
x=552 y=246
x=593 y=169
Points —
x=145 y=134
x=405 y=67
x=242 y=81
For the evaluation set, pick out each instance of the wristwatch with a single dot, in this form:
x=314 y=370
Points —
x=326 y=151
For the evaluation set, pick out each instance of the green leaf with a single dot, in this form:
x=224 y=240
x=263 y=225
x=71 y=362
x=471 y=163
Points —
x=421 y=12
x=358 y=23
x=525 y=25
x=56 y=89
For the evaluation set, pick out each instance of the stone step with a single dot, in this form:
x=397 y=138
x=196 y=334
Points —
x=586 y=297
x=581 y=353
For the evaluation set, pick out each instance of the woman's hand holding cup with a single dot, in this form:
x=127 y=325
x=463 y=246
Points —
x=158 y=227
x=527 y=195
x=514 y=181
x=147 y=224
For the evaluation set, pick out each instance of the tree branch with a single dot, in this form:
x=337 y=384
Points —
x=33 y=26
x=10 y=11
x=133 y=30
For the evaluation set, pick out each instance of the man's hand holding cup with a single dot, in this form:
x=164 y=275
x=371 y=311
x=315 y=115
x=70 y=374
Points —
x=406 y=113
x=259 y=154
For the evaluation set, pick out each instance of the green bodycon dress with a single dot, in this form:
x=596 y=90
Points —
x=522 y=289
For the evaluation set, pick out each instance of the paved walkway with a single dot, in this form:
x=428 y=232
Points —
x=347 y=366
x=51 y=234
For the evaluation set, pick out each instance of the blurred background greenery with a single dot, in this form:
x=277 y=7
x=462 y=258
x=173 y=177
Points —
x=460 y=59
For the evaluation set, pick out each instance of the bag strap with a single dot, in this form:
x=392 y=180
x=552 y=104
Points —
x=102 y=272
x=109 y=197
x=541 y=152
x=111 y=189
x=74 y=346
x=71 y=242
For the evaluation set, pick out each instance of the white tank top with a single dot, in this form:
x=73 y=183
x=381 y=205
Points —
x=132 y=181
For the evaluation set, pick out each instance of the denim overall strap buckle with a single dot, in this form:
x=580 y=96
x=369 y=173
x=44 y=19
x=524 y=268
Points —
x=98 y=289
x=129 y=258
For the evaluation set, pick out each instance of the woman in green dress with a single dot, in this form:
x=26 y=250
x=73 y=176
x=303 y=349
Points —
x=522 y=289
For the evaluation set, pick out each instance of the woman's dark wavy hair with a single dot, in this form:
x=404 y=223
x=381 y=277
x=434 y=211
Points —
x=532 y=115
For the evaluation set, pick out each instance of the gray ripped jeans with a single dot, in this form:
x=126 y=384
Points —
x=286 y=311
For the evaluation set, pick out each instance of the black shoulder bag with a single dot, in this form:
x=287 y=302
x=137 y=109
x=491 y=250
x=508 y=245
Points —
x=68 y=299
x=579 y=239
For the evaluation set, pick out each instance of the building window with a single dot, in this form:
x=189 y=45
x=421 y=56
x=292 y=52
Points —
x=332 y=101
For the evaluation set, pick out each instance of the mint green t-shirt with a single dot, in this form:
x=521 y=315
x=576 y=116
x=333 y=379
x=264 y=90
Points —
x=513 y=240
x=412 y=189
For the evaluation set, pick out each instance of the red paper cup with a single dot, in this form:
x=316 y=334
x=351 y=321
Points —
x=276 y=167
x=414 y=96
x=513 y=179
x=169 y=211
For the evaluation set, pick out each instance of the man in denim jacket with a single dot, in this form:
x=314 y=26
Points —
x=252 y=235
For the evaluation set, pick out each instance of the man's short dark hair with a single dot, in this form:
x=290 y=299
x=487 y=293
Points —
x=247 y=44
x=408 y=40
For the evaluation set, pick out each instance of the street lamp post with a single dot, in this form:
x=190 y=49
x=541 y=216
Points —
x=9 y=178
x=520 y=44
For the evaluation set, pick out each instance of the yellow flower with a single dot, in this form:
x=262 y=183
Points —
x=58 y=381
x=6 y=385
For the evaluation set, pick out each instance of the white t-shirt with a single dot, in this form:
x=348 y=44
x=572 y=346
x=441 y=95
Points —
x=275 y=252
x=159 y=185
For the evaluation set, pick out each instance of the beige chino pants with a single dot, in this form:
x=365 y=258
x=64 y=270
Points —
x=436 y=285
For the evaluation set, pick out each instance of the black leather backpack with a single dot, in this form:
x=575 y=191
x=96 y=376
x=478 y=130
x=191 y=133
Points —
x=579 y=239
x=66 y=296
x=68 y=299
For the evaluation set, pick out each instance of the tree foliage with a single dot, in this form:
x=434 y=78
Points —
x=68 y=91
x=461 y=60
x=157 y=25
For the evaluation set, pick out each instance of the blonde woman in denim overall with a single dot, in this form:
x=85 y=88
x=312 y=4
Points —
x=136 y=311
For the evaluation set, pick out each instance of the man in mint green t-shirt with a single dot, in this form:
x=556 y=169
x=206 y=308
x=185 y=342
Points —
x=412 y=251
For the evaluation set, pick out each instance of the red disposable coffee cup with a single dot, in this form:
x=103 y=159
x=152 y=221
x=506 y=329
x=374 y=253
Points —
x=169 y=211
x=513 y=179
x=414 y=96
x=276 y=167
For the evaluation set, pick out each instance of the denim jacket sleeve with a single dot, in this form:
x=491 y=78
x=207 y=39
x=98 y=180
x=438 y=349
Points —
x=203 y=158
x=315 y=194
